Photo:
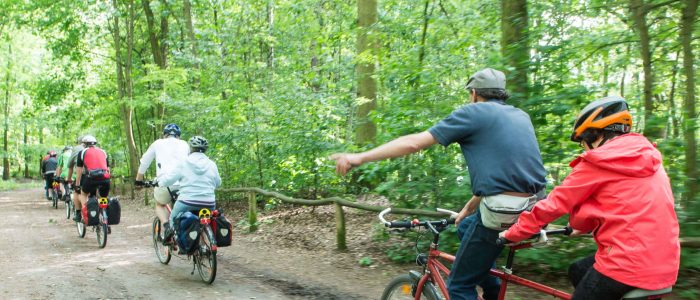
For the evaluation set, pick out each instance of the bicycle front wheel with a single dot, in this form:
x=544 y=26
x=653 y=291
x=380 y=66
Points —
x=101 y=229
x=402 y=287
x=69 y=208
x=162 y=251
x=206 y=256
x=81 y=229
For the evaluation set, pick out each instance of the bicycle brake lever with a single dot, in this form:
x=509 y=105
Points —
x=543 y=240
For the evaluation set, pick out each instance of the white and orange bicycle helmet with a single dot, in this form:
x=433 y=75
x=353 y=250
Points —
x=608 y=114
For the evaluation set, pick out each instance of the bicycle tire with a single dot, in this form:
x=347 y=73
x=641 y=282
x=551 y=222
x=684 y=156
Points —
x=81 y=229
x=69 y=208
x=54 y=198
x=205 y=254
x=401 y=287
x=101 y=229
x=162 y=252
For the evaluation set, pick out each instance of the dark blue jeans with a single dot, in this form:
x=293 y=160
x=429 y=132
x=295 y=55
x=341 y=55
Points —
x=475 y=257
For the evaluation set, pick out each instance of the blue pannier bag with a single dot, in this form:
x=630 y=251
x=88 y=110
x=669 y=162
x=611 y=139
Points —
x=188 y=229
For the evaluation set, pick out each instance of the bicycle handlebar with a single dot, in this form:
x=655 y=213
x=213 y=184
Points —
x=147 y=184
x=501 y=241
x=416 y=223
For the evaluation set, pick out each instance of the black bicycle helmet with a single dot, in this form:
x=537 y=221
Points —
x=172 y=129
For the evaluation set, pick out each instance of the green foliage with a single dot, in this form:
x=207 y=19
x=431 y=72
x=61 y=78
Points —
x=13 y=185
x=365 y=261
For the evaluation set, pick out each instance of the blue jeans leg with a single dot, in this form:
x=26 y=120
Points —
x=476 y=255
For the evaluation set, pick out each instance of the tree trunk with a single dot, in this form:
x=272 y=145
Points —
x=26 y=142
x=187 y=12
x=270 y=29
x=153 y=39
x=692 y=184
x=158 y=53
x=515 y=46
x=639 y=10
x=124 y=83
x=366 y=130
x=6 y=155
x=674 y=127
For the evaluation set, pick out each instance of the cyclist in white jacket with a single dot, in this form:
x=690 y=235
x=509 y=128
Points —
x=198 y=177
x=168 y=152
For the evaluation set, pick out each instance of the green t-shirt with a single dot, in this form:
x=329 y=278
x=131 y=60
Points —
x=63 y=161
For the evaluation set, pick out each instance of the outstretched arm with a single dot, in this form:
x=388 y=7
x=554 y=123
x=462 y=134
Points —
x=401 y=146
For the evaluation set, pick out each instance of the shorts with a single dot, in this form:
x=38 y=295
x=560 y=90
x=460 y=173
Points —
x=162 y=195
x=91 y=187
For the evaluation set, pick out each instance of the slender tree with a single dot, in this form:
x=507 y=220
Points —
x=515 y=46
x=6 y=129
x=638 y=13
x=366 y=130
x=124 y=82
x=690 y=116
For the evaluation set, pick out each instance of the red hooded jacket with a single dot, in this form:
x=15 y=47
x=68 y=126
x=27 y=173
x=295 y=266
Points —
x=621 y=193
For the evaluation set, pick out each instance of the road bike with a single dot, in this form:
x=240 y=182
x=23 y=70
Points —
x=430 y=283
x=204 y=255
x=102 y=228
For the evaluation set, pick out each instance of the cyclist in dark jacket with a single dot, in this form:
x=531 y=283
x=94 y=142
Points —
x=48 y=169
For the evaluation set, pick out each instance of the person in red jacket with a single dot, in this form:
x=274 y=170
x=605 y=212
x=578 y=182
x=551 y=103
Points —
x=618 y=191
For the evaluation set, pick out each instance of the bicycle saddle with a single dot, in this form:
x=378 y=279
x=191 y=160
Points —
x=644 y=294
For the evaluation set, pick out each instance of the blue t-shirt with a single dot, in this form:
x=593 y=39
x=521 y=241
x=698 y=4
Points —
x=499 y=145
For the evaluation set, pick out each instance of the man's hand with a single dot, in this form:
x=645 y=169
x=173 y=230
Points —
x=502 y=234
x=344 y=162
x=469 y=209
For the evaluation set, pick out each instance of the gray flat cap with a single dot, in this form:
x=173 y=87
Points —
x=487 y=79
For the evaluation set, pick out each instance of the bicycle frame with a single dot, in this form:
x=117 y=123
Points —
x=435 y=268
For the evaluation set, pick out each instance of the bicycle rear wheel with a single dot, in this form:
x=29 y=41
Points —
x=101 y=229
x=402 y=287
x=206 y=256
x=54 y=198
x=162 y=251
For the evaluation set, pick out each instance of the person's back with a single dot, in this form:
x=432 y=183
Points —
x=63 y=162
x=631 y=211
x=50 y=165
x=497 y=137
x=199 y=178
x=168 y=152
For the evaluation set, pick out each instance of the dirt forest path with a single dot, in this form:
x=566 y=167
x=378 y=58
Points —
x=43 y=258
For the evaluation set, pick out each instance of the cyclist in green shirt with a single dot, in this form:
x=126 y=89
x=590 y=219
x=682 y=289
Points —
x=62 y=170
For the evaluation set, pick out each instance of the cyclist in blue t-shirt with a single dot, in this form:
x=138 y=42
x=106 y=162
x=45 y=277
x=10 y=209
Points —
x=503 y=158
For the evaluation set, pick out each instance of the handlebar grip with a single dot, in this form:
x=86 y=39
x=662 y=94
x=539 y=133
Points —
x=400 y=224
x=568 y=230
x=501 y=241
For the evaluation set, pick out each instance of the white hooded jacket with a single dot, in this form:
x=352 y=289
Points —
x=198 y=177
